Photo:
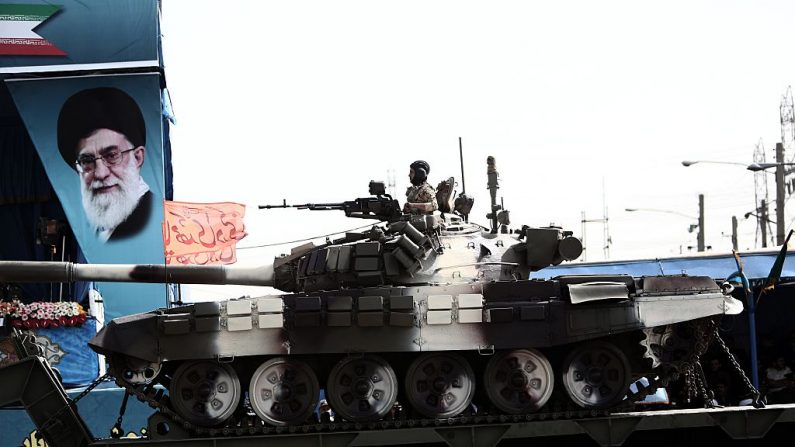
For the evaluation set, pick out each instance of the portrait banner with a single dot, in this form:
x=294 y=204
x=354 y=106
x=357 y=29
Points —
x=100 y=140
x=202 y=233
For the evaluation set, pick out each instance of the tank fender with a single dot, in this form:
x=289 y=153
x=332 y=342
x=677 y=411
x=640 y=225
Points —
x=132 y=335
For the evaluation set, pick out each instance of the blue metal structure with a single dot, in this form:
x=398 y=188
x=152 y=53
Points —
x=756 y=265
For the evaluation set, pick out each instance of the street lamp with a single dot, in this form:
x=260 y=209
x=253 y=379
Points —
x=762 y=166
x=655 y=210
x=700 y=218
x=755 y=167
x=687 y=163
x=764 y=218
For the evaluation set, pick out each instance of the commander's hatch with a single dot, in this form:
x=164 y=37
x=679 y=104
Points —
x=445 y=193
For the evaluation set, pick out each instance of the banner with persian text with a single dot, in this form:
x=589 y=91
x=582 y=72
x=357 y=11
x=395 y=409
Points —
x=202 y=233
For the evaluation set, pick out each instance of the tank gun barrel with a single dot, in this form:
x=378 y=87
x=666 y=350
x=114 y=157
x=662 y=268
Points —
x=30 y=271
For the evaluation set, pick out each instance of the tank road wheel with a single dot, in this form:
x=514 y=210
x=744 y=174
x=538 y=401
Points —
x=440 y=385
x=362 y=389
x=284 y=391
x=596 y=375
x=519 y=381
x=205 y=393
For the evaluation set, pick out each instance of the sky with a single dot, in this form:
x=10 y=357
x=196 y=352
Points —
x=585 y=106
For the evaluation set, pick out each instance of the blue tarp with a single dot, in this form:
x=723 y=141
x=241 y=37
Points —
x=756 y=264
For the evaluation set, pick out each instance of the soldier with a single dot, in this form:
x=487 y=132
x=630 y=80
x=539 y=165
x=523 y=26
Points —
x=420 y=197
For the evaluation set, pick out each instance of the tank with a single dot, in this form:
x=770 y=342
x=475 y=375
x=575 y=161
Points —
x=429 y=316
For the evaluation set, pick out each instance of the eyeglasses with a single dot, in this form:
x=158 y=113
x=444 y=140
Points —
x=87 y=163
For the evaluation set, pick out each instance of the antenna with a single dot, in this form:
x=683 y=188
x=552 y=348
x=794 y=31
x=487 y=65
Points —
x=461 y=157
x=499 y=216
x=463 y=204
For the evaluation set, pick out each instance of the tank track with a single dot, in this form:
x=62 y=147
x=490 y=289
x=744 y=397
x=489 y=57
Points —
x=253 y=425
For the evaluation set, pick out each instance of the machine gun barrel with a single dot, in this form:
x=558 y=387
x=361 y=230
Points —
x=323 y=206
x=377 y=208
x=312 y=206
x=309 y=206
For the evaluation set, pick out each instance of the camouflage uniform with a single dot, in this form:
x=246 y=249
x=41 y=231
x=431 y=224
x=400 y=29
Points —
x=422 y=193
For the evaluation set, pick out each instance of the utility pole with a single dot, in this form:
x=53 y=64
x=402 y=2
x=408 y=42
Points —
x=605 y=234
x=605 y=229
x=763 y=222
x=734 y=233
x=761 y=194
x=584 y=246
x=701 y=222
x=779 y=194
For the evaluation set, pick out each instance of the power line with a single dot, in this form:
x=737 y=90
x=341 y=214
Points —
x=305 y=239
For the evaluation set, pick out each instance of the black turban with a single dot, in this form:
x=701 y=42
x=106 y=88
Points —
x=98 y=108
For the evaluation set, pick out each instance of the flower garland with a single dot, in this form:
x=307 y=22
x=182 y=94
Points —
x=43 y=314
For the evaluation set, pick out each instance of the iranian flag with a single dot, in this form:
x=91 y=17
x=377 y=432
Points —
x=16 y=30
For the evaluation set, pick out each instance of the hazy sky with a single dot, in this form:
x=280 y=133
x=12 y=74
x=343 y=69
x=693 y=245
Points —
x=309 y=101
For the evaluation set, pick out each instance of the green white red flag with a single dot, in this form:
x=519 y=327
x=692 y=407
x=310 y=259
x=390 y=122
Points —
x=17 y=38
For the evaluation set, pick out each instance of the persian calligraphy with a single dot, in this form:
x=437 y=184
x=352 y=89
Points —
x=202 y=233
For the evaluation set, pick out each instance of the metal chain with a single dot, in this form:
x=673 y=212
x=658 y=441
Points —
x=701 y=382
x=73 y=402
x=702 y=344
x=690 y=392
x=116 y=431
x=757 y=400
x=683 y=369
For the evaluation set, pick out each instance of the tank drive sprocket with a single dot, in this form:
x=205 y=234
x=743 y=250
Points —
x=672 y=346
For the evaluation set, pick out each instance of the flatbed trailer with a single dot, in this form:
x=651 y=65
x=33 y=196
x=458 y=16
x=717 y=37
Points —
x=47 y=403
x=722 y=426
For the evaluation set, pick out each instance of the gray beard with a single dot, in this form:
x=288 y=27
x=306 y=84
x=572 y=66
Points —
x=108 y=211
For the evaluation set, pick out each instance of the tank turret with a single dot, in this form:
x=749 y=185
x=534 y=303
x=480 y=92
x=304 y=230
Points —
x=418 y=250
x=421 y=306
